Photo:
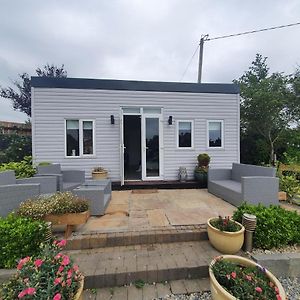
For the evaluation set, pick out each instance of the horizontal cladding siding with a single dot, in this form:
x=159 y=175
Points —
x=52 y=106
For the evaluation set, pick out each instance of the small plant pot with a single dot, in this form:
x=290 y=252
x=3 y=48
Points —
x=201 y=177
x=219 y=293
x=99 y=175
x=282 y=196
x=224 y=241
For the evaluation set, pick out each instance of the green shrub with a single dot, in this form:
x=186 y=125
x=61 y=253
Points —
x=275 y=226
x=14 y=148
x=23 y=169
x=290 y=185
x=58 y=204
x=19 y=237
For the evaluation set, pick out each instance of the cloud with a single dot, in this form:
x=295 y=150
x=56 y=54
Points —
x=144 y=40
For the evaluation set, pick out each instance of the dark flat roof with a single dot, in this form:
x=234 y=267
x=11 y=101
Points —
x=131 y=85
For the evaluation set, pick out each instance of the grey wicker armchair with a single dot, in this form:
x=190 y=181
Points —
x=14 y=191
x=67 y=180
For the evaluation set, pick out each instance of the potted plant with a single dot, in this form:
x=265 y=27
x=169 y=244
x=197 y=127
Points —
x=234 y=277
x=99 y=173
x=60 y=208
x=200 y=172
x=226 y=235
x=50 y=275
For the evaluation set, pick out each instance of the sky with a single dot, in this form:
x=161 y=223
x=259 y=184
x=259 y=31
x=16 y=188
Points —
x=143 y=40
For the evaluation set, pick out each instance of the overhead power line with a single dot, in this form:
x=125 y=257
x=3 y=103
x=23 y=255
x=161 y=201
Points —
x=252 y=31
x=206 y=38
x=190 y=61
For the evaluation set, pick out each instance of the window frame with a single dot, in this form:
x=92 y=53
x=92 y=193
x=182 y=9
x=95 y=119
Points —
x=81 y=155
x=222 y=134
x=192 y=135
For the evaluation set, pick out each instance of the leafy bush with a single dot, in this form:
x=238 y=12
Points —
x=275 y=225
x=58 y=204
x=203 y=162
x=290 y=185
x=14 y=147
x=23 y=169
x=51 y=275
x=225 y=224
x=244 y=282
x=19 y=237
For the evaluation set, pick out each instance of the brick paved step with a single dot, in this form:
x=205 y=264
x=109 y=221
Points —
x=128 y=238
x=117 y=266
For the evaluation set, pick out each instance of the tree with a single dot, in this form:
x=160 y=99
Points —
x=269 y=103
x=20 y=95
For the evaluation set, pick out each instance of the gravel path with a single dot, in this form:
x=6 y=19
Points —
x=290 y=285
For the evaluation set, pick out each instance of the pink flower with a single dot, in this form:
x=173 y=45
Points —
x=58 y=256
x=248 y=277
x=278 y=297
x=76 y=268
x=271 y=284
x=62 y=243
x=69 y=281
x=60 y=269
x=276 y=290
x=228 y=276
x=57 y=296
x=233 y=275
x=22 y=262
x=38 y=263
x=57 y=281
x=65 y=261
x=70 y=272
x=31 y=291
x=22 y=294
x=258 y=289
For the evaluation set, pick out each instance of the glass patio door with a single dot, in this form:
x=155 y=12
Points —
x=151 y=147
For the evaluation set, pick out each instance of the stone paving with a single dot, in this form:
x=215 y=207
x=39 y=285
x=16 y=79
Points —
x=117 y=266
x=148 y=292
x=131 y=211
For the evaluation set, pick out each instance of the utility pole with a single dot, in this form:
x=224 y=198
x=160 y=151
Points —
x=203 y=38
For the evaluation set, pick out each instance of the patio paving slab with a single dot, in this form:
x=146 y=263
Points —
x=148 y=210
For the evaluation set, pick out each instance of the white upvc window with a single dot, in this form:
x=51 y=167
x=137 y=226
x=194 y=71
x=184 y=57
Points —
x=79 y=138
x=215 y=134
x=185 y=134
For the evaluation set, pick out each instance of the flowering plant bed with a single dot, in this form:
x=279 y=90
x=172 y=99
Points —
x=52 y=275
x=234 y=277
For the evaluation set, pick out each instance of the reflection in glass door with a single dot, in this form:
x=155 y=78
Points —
x=152 y=146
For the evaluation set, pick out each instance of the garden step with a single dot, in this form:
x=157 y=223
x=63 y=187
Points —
x=117 y=266
x=128 y=238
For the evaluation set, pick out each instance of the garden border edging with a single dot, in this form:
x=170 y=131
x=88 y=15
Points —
x=280 y=264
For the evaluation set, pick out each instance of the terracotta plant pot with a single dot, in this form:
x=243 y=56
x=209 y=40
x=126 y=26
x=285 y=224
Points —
x=99 y=175
x=70 y=220
x=79 y=293
x=219 y=293
x=282 y=196
x=224 y=241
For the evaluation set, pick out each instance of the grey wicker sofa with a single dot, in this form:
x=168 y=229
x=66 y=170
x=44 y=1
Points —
x=67 y=180
x=253 y=184
x=14 y=191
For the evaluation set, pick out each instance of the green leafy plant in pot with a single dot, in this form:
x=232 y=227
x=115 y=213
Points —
x=200 y=172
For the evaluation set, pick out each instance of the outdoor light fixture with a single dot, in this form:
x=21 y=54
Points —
x=112 y=119
x=170 y=120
